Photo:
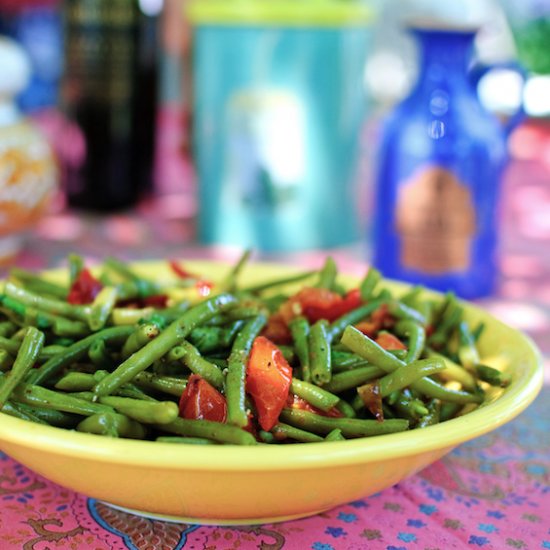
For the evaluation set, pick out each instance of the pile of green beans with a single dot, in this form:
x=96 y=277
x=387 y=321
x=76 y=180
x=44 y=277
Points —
x=118 y=368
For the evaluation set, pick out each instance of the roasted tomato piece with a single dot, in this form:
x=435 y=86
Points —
x=319 y=303
x=201 y=401
x=268 y=378
x=277 y=330
x=389 y=341
x=204 y=287
x=380 y=318
x=295 y=402
x=84 y=288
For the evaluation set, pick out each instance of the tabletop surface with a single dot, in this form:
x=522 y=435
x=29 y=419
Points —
x=492 y=493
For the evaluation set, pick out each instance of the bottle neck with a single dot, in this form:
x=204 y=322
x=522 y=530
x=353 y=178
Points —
x=444 y=56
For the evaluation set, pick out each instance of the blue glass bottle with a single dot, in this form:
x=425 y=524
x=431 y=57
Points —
x=440 y=163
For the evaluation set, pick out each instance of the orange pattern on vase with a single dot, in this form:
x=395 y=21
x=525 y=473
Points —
x=436 y=222
x=28 y=177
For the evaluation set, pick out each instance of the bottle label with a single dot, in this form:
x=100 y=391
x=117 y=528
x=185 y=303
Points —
x=435 y=221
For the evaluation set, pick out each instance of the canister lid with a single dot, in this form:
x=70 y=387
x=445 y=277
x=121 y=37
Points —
x=297 y=13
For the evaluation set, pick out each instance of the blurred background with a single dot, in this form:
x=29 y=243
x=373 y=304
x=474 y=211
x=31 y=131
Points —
x=154 y=128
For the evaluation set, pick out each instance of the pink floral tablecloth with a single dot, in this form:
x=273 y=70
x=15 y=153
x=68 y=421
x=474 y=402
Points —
x=492 y=493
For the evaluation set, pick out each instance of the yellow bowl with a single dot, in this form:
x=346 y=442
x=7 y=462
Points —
x=243 y=485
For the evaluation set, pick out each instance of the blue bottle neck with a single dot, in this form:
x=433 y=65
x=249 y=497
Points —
x=444 y=57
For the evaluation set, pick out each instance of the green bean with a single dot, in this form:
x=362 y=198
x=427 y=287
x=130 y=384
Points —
x=266 y=437
x=166 y=340
x=62 y=341
x=210 y=339
x=185 y=440
x=25 y=315
x=399 y=353
x=314 y=395
x=121 y=316
x=166 y=384
x=7 y=329
x=346 y=409
x=230 y=283
x=347 y=380
x=335 y=435
x=467 y=351
x=448 y=411
x=51 y=417
x=83 y=382
x=493 y=376
x=288 y=353
x=404 y=312
x=38 y=284
x=26 y=357
x=236 y=371
x=171 y=313
x=76 y=352
x=76 y=265
x=15 y=410
x=299 y=329
x=197 y=364
x=175 y=355
x=415 y=407
x=6 y=360
x=36 y=301
x=19 y=334
x=350 y=427
x=370 y=350
x=12 y=347
x=432 y=418
x=101 y=308
x=283 y=281
x=328 y=274
x=404 y=376
x=283 y=431
x=351 y=318
x=132 y=391
x=319 y=353
x=146 y=412
x=345 y=367
x=454 y=371
x=216 y=431
x=237 y=315
x=416 y=336
x=141 y=336
x=409 y=407
x=112 y=425
x=478 y=331
x=450 y=315
x=99 y=355
x=343 y=359
x=143 y=286
x=37 y=396
x=220 y=363
x=76 y=382
x=410 y=298
x=369 y=283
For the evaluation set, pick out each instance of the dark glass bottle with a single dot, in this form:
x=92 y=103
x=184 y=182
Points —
x=441 y=161
x=109 y=91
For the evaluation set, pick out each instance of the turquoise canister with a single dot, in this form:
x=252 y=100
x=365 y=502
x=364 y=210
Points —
x=278 y=105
